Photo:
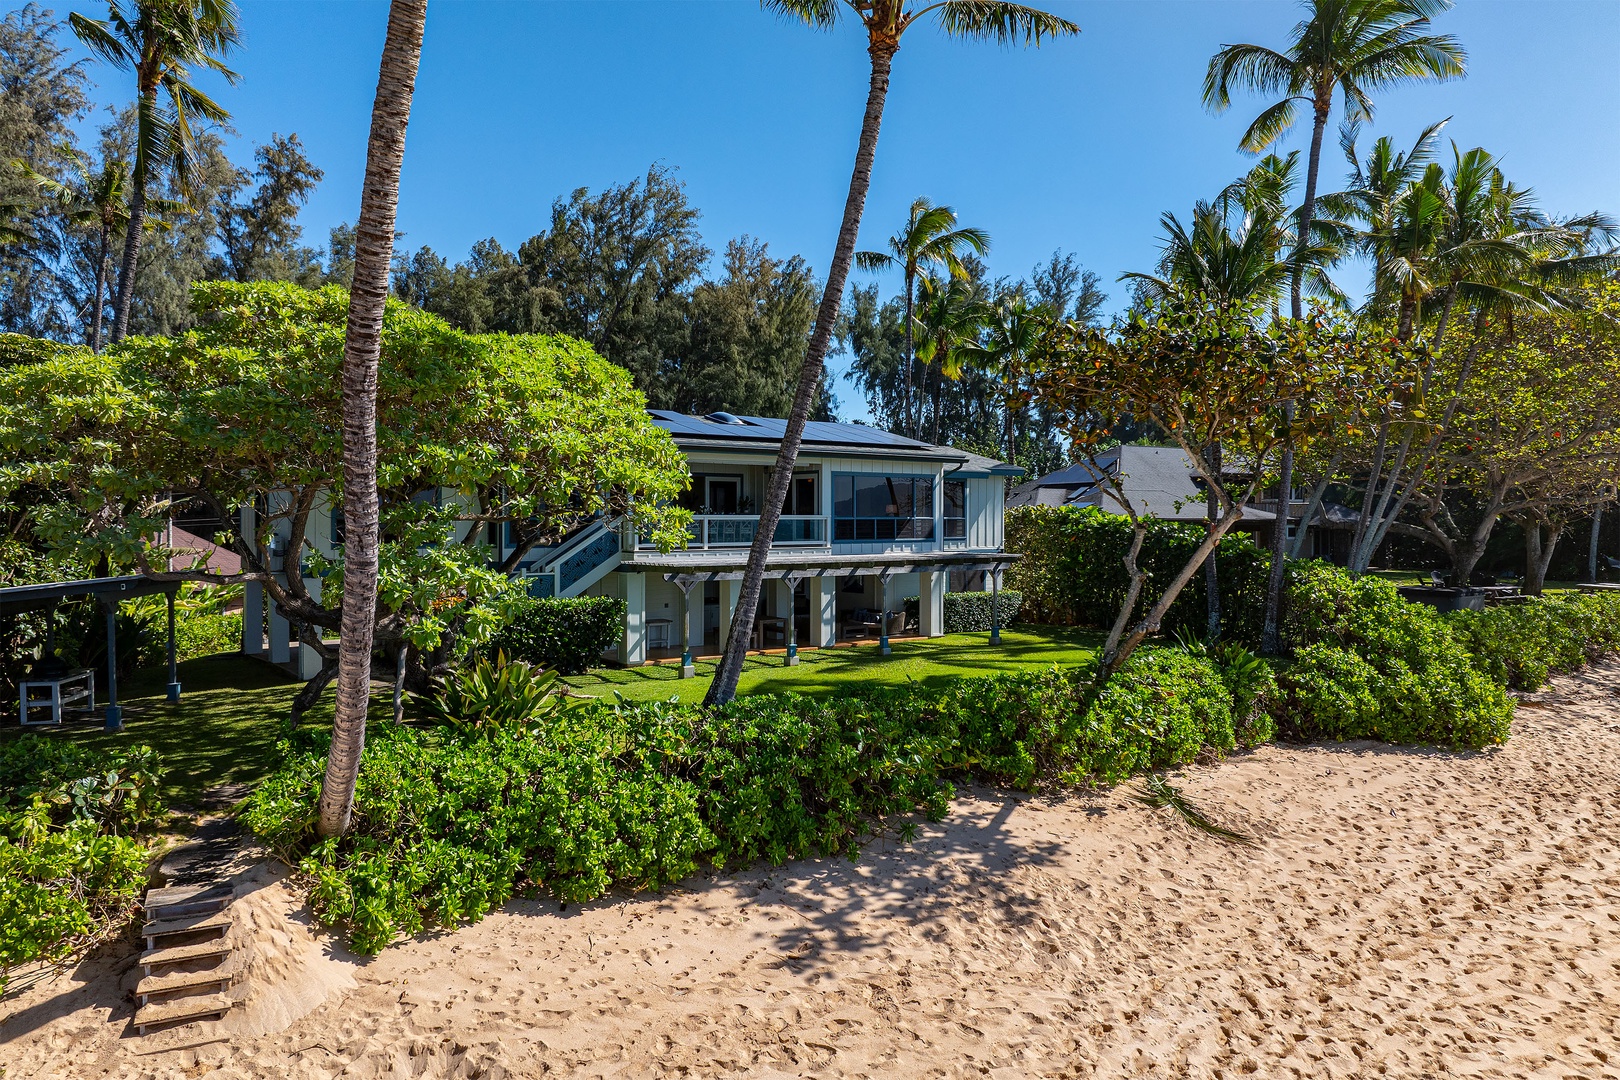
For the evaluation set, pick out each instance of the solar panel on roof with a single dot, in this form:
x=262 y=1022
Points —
x=771 y=429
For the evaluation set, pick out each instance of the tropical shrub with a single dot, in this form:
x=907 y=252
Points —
x=485 y=696
x=969 y=612
x=1252 y=684
x=450 y=822
x=1522 y=645
x=70 y=866
x=567 y=634
x=1072 y=570
x=1425 y=683
x=201 y=634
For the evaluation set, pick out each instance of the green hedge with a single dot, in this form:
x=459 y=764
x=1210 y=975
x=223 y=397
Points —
x=1522 y=645
x=969 y=612
x=1072 y=571
x=198 y=634
x=1369 y=665
x=567 y=634
x=70 y=868
x=447 y=825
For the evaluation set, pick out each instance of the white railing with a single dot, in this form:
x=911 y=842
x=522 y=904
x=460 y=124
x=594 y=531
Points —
x=711 y=531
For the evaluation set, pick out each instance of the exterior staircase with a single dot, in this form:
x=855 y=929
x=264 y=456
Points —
x=191 y=957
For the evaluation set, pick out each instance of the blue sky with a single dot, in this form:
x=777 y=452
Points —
x=1078 y=145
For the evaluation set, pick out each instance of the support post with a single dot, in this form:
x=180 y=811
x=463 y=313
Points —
x=824 y=611
x=931 y=603
x=633 y=643
x=280 y=635
x=688 y=669
x=883 y=614
x=174 y=669
x=730 y=592
x=115 y=712
x=791 y=632
x=253 y=618
x=995 y=606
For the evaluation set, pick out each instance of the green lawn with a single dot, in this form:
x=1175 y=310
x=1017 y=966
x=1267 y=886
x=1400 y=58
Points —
x=233 y=708
x=224 y=730
x=829 y=671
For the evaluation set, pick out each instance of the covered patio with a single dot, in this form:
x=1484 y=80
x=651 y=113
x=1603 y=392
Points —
x=677 y=606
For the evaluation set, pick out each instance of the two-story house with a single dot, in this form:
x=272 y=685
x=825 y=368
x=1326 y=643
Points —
x=872 y=519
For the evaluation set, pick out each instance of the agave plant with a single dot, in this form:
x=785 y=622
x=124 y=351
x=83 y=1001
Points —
x=486 y=697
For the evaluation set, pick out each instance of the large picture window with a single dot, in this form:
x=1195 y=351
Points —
x=883 y=508
x=954 y=512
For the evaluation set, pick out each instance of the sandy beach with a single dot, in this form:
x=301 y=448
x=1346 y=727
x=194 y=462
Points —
x=1406 y=914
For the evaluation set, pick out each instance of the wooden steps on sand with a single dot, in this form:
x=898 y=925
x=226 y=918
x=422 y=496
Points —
x=191 y=958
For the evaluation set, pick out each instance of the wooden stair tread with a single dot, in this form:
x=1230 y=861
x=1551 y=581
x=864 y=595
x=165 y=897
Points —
x=188 y=924
x=189 y=1008
x=180 y=954
x=220 y=975
x=186 y=900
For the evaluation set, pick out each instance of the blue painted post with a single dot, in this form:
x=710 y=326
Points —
x=792 y=630
x=687 y=669
x=883 y=615
x=174 y=671
x=995 y=607
x=115 y=713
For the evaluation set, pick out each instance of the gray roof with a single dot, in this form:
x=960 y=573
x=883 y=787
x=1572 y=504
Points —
x=1158 y=480
x=764 y=433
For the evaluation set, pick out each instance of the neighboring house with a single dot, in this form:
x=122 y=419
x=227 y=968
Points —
x=1159 y=481
x=872 y=519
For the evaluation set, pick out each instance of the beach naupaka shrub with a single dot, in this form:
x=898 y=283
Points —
x=1369 y=665
x=70 y=868
x=1522 y=645
x=449 y=822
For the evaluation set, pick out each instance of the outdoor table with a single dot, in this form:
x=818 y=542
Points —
x=67 y=689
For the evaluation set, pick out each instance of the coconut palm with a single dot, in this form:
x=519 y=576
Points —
x=950 y=316
x=885 y=22
x=930 y=238
x=98 y=200
x=1346 y=47
x=362 y=348
x=160 y=41
x=1013 y=331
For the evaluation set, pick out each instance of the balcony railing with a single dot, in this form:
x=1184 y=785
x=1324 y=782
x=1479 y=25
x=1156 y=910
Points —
x=711 y=531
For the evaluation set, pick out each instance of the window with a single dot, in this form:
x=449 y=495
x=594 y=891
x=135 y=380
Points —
x=801 y=498
x=883 y=508
x=955 y=510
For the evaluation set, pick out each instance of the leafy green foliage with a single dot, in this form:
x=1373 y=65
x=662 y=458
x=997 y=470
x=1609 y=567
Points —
x=451 y=822
x=197 y=635
x=969 y=612
x=1370 y=665
x=69 y=864
x=1253 y=686
x=1073 y=570
x=565 y=633
x=1522 y=645
x=486 y=697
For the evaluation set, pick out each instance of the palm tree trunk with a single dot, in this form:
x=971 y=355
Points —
x=132 y=229
x=1592 y=543
x=1270 y=637
x=724 y=687
x=910 y=426
x=939 y=387
x=101 y=291
x=362 y=347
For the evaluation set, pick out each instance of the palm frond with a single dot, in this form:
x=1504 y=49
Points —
x=1248 y=67
x=1157 y=792
x=1270 y=125
x=818 y=14
x=998 y=21
x=874 y=261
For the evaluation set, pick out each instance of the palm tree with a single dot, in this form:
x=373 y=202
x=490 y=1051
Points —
x=950 y=316
x=885 y=22
x=930 y=238
x=99 y=200
x=1345 y=47
x=362 y=348
x=1013 y=330
x=160 y=41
